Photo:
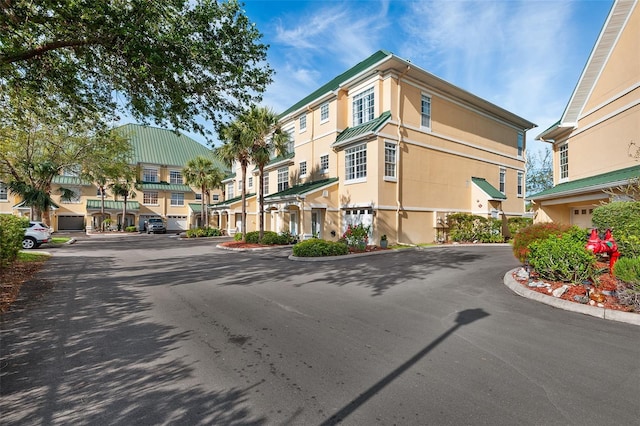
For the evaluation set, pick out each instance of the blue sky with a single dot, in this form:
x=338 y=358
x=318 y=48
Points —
x=525 y=56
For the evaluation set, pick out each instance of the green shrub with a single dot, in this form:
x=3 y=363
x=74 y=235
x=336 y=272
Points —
x=252 y=237
x=11 y=235
x=537 y=232
x=623 y=218
x=130 y=229
x=517 y=223
x=203 y=232
x=288 y=238
x=562 y=258
x=238 y=236
x=628 y=270
x=467 y=227
x=271 y=238
x=316 y=247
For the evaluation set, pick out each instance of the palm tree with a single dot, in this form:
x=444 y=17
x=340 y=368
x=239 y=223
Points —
x=267 y=138
x=124 y=187
x=202 y=173
x=237 y=147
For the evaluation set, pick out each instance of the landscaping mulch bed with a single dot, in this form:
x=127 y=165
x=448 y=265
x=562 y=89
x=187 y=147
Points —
x=604 y=282
x=12 y=277
x=239 y=245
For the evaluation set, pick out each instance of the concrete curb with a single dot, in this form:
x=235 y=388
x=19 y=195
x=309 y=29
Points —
x=594 y=311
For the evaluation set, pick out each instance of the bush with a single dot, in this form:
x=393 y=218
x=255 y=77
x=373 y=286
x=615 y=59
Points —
x=622 y=217
x=316 y=247
x=517 y=223
x=537 y=232
x=562 y=258
x=11 y=236
x=130 y=229
x=467 y=227
x=238 y=236
x=628 y=270
x=203 y=232
x=252 y=237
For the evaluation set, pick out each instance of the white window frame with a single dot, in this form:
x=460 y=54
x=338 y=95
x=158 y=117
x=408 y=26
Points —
x=355 y=164
x=148 y=198
x=215 y=197
x=303 y=168
x=265 y=184
x=283 y=179
x=175 y=177
x=150 y=174
x=390 y=152
x=520 y=144
x=324 y=168
x=324 y=112
x=503 y=180
x=563 y=162
x=4 y=192
x=177 y=199
x=302 y=123
x=520 y=184
x=230 y=192
x=198 y=196
x=363 y=107
x=425 y=116
x=250 y=182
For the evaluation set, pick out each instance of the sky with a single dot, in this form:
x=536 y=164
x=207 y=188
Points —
x=524 y=56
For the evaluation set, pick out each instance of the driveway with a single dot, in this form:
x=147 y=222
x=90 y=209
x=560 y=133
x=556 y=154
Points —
x=149 y=329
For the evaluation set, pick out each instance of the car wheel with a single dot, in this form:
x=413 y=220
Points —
x=29 y=243
x=164 y=232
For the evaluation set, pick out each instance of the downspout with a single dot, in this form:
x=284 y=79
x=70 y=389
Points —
x=398 y=183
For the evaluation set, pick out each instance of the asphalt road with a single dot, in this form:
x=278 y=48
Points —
x=149 y=329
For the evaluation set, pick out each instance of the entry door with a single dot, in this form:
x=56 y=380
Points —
x=238 y=222
x=293 y=223
x=316 y=223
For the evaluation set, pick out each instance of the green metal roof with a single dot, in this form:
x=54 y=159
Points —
x=592 y=183
x=69 y=180
x=489 y=189
x=195 y=207
x=112 y=205
x=302 y=189
x=337 y=81
x=231 y=201
x=164 y=186
x=362 y=129
x=161 y=146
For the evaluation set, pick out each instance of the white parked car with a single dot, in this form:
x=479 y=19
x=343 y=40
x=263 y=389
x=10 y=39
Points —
x=36 y=234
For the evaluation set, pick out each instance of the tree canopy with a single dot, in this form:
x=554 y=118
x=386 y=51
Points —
x=539 y=171
x=173 y=61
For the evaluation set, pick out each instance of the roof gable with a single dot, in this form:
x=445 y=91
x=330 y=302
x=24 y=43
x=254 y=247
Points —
x=488 y=189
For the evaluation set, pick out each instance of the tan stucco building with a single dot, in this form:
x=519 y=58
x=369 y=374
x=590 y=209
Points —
x=390 y=145
x=595 y=140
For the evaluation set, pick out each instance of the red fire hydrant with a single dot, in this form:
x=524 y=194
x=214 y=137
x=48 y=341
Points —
x=608 y=246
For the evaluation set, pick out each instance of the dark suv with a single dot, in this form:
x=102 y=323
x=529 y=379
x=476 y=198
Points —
x=155 y=225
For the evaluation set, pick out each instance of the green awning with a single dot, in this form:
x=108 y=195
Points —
x=488 y=189
x=112 y=205
x=70 y=180
x=230 y=201
x=164 y=186
x=369 y=128
x=305 y=188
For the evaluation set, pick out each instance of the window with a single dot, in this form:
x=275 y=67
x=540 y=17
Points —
x=3 y=192
x=250 y=182
x=283 y=178
x=177 y=199
x=198 y=196
x=356 y=162
x=175 y=177
x=150 y=175
x=303 y=168
x=229 y=190
x=520 y=144
x=290 y=141
x=520 y=180
x=324 y=112
x=240 y=186
x=426 y=111
x=75 y=195
x=389 y=160
x=564 y=161
x=265 y=185
x=503 y=174
x=324 y=163
x=215 y=197
x=99 y=192
x=363 y=107
x=303 y=123
x=150 y=198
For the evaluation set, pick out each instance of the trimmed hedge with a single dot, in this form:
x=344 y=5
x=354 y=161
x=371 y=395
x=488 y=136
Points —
x=203 y=232
x=623 y=218
x=316 y=247
x=467 y=227
x=563 y=258
x=537 y=232
x=11 y=236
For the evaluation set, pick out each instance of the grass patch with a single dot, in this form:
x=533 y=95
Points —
x=60 y=240
x=32 y=257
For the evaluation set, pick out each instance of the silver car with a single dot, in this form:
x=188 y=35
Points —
x=36 y=234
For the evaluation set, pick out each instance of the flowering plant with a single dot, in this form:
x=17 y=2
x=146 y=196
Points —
x=356 y=235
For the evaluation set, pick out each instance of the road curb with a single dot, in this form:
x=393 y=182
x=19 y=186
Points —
x=594 y=311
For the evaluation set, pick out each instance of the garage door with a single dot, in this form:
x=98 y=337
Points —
x=177 y=223
x=356 y=217
x=70 y=223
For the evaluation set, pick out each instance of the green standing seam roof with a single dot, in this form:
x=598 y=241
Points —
x=593 y=182
x=364 y=128
x=489 y=189
x=302 y=189
x=153 y=145
x=112 y=205
x=195 y=207
x=22 y=205
x=69 y=180
x=337 y=81
x=164 y=186
x=231 y=201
